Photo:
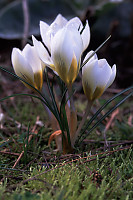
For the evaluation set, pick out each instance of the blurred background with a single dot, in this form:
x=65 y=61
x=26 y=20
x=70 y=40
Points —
x=19 y=19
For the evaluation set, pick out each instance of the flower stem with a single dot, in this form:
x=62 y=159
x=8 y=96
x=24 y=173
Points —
x=87 y=110
x=72 y=117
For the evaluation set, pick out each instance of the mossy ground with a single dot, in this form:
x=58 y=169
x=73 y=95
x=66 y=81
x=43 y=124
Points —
x=108 y=176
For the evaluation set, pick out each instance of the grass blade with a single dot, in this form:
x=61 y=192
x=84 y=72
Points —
x=95 y=51
x=22 y=94
x=57 y=114
x=63 y=99
x=104 y=116
x=106 y=104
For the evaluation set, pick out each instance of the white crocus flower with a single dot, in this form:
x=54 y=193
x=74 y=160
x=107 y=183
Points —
x=97 y=76
x=27 y=65
x=65 y=42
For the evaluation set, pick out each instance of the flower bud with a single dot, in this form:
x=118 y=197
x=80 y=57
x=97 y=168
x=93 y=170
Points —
x=27 y=66
x=97 y=76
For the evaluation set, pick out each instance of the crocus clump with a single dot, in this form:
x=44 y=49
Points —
x=61 y=49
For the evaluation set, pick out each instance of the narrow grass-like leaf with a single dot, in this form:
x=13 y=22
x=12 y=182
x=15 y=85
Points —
x=104 y=116
x=63 y=99
x=102 y=107
x=21 y=94
x=61 y=84
x=63 y=114
x=57 y=114
x=52 y=85
x=63 y=90
x=46 y=94
x=95 y=51
x=52 y=96
x=73 y=92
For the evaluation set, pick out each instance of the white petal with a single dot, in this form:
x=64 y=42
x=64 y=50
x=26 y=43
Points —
x=112 y=77
x=21 y=66
x=102 y=73
x=57 y=24
x=75 y=23
x=42 y=52
x=89 y=76
x=86 y=36
x=32 y=58
x=60 y=20
x=76 y=43
x=45 y=37
x=64 y=45
x=59 y=51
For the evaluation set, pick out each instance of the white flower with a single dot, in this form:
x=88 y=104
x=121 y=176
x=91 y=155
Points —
x=27 y=65
x=65 y=42
x=97 y=76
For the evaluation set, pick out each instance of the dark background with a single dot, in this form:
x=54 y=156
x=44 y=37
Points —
x=105 y=18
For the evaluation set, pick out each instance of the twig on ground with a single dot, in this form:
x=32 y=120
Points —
x=9 y=153
x=130 y=120
x=113 y=90
x=113 y=115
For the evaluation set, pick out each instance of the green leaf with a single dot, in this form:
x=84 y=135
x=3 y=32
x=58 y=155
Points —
x=104 y=116
x=95 y=51
x=21 y=94
x=56 y=110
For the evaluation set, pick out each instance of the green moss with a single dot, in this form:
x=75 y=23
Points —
x=76 y=180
